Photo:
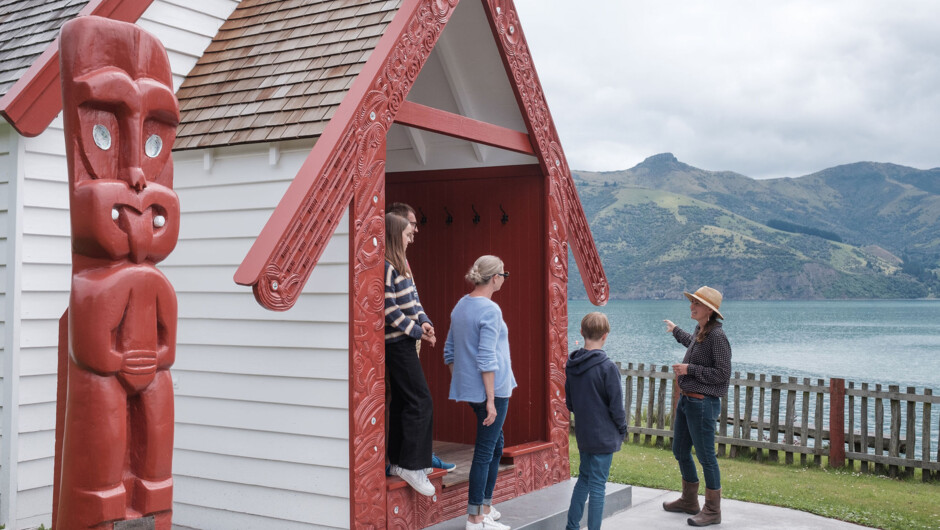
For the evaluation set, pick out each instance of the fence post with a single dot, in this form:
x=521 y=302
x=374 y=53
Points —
x=836 y=423
x=925 y=438
x=774 y=414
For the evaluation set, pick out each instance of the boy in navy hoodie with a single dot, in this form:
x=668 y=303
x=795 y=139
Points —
x=594 y=394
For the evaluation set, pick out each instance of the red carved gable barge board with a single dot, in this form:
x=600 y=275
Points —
x=34 y=101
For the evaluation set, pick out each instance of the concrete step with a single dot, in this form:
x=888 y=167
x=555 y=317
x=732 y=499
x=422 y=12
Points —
x=547 y=508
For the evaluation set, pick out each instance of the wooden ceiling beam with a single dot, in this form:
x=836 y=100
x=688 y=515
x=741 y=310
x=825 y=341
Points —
x=449 y=124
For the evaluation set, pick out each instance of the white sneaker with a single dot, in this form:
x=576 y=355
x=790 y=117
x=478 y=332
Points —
x=486 y=524
x=416 y=479
x=490 y=524
x=494 y=514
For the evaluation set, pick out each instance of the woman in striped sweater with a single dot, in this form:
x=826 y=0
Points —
x=411 y=410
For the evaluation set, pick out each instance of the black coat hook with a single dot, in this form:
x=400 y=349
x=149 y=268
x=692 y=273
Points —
x=505 y=218
x=476 y=215
x=450 y=218
x=424 y=218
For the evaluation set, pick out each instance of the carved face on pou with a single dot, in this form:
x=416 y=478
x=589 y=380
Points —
x=120 y=123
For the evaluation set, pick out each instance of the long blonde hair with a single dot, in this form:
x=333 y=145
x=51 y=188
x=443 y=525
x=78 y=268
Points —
x=395 y=226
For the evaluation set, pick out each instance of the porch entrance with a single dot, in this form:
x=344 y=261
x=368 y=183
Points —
x=463 y=214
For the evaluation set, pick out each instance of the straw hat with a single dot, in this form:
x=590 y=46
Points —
x=710 y=298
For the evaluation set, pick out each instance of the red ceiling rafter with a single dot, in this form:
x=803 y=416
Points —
x=34 y=101
x=450 y=124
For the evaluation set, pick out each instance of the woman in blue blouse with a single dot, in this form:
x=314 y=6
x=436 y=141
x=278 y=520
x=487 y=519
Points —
x=477 y=353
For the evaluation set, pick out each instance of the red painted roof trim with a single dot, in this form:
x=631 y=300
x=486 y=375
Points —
x=34 y=101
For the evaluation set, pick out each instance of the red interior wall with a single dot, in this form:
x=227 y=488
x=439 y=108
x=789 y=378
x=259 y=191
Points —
x=442 y=254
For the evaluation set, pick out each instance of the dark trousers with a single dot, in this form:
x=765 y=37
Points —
x=411 y=410
x=694 y=426
x=486 y=454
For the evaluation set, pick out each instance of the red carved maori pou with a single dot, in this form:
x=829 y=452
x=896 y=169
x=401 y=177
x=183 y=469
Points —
x=114 y=426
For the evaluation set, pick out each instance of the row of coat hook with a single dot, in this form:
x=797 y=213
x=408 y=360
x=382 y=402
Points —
x=449 y=218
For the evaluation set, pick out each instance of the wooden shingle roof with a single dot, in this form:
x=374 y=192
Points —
x=26 y=29
x=278 y=69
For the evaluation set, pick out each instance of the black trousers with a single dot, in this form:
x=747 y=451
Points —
x=411 y=411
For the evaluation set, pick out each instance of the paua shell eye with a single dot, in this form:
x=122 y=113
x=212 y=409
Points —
x=153 y=146
x=102 y=137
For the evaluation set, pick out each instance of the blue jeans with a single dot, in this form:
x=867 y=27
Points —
x=694 y=425
x=592 y=479
x=486 y=454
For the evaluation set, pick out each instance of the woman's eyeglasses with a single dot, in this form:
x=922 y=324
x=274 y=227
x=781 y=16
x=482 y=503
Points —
x=503 y=274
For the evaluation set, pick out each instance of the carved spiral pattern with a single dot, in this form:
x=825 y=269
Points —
x=364 y=143
x=403 y=499
x=277 y=290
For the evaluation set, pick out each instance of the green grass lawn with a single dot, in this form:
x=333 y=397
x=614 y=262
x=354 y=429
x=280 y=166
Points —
x=864 y=499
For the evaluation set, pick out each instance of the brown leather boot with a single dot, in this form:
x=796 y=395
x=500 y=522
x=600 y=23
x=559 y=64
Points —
x=711 y=512
x=688 y=502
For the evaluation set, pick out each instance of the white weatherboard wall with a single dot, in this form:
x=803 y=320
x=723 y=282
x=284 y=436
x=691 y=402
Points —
x=36 y=258
x=43 y=279
x=262 y=397
x=10 y=153
x=7 y=168
x=185 y=27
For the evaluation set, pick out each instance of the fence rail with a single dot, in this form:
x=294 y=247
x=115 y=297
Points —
x=769 y=416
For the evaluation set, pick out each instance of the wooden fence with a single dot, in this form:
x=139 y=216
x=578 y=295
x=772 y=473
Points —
x=768 y=416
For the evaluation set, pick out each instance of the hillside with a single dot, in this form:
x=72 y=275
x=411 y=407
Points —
x=863 y=230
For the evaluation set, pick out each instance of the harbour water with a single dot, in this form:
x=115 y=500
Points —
x=886 y=342
x=875 y=342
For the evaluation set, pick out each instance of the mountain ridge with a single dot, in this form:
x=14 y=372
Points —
x=860 y=230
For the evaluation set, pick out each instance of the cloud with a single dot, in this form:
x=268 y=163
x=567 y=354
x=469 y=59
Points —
x=764 y=89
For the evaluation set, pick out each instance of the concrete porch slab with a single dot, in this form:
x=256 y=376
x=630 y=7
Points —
x=547 y=508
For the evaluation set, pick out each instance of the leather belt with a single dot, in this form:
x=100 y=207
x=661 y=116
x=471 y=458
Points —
x=692 y=394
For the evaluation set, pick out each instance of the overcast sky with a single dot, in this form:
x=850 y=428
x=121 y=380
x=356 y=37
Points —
x=766 y=89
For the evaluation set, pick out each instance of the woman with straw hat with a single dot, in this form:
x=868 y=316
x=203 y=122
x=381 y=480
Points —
x=702 y=377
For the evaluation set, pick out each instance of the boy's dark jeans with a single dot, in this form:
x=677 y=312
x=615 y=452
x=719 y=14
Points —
x=592 y=480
